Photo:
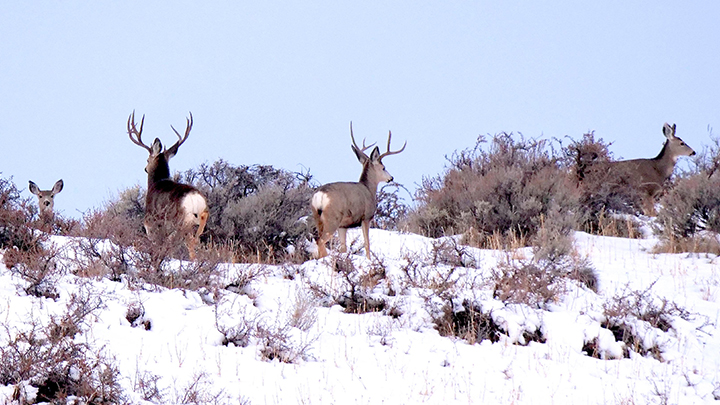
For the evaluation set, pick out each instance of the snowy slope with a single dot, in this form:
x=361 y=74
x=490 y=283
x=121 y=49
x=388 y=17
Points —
x=397 y=356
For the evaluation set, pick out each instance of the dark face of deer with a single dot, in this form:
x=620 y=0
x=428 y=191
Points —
x=46 y=198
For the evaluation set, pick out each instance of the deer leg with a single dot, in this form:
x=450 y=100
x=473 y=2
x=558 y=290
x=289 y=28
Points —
x=201 y=226
x=342 y=235
x=649 y=206
x=366 y=236
x=149 y=229
x=321 y=241
x=326 y=230
x=191 y=244
x=325 y=234
x=192 y=239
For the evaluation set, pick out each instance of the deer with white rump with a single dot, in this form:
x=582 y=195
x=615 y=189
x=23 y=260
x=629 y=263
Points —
x=650 y=175
x=46 y=198
x=169 y=206
x=342 y=205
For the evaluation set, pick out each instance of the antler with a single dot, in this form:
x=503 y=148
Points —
x=388 y=153
x=132 y=130
x=364 y=148
x=181 y=139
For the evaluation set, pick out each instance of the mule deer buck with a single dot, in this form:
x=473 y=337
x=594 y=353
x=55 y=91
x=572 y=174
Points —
x=169 y=206
x=649 y=175
x=46 y=198
x=342 y=205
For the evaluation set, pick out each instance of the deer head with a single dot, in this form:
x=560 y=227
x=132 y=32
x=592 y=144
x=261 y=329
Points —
x=374 y=171
x=674 y=146
x=158 y=167
x=46 y=198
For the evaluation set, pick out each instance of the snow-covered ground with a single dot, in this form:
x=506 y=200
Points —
x=396 y=355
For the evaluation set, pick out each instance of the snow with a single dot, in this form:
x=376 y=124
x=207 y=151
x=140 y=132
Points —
x=373 y=357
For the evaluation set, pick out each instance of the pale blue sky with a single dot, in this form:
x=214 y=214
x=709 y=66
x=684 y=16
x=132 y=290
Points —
x=278 y=82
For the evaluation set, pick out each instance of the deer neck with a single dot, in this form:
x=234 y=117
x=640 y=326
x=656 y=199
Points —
x=368 y=180
x=160 y=172
x=665 y=161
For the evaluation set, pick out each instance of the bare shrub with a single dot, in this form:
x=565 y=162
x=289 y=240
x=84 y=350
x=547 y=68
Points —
x=304 y=312
x=111 y=238
x=708 y=160
x=628 y=307
x=50 y=359
x=243 y=276
x=358 y=285
x=449 y=252
x=505 y=190
x=146 y=383
x=581 y=270
x=160 y=269
x=198 y=391
x=468 y=322
x=436 y=273
x=530 y=283
x=38 y=266
x=260 y=210
x=391 y=212
x=538 y=282
x=691 y=207
x=278 y=342
x=240 y=333
x=16 y=216
x=266 y=223
x=358 y=289
x=552 y=242
x=603 y=194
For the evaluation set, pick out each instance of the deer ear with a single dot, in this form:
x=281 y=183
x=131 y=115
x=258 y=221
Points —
x=669 y=131
x=170 y=153
x=33 y=188
x=156 y=147
x=57 y=187
x=375 y=155
x=361 y=156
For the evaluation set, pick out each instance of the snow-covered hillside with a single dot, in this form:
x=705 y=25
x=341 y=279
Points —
x=282 y=339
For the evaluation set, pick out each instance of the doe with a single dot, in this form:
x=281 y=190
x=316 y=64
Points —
x=650 y=175
x=342 y=205
x=169 y=206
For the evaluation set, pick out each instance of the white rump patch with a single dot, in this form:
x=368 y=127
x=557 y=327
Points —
x=194 y=204
x=320 y=200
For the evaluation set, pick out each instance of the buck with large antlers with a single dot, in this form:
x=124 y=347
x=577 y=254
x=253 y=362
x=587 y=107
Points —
x=46 y=198
x=648 y=175
x=342 y=205
x=169 y=206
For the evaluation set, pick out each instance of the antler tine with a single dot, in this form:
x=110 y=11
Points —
x=364 y=148
x=388 y=153
x=188 y=127
x=132 y=129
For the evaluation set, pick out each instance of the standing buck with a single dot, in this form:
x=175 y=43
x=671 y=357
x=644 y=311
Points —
x=46 y=198
x=649 y=175
x=342 y=205
x=169 y=206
